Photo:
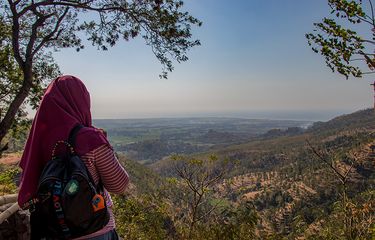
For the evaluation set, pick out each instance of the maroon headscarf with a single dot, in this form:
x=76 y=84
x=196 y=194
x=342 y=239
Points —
x=65 y=104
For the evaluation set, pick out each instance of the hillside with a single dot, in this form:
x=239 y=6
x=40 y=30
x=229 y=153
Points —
x=143 y=179
x=360 y=120
x=294 y=192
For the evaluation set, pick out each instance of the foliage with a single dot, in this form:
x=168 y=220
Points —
x=166 y=211
x=56 y=24
x=11 y=76
x=139 y=218
x=274 y=198
x=361 y=217
x=7 y=179
x=161 y=209
x=17 y=135
x=145 y=180
x=342 y=46
x=236 y=223
x=351 y=215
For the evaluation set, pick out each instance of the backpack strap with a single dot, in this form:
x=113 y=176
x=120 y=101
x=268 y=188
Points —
x=57 y=205
x=71 y=140
x=73 y=134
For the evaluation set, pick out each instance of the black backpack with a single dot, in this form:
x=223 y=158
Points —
x=69 y=204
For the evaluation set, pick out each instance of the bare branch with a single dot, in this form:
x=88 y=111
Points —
x=208 y=212
x=347 y=173
x=342 y=177
x=368 y=41
x=357 y=59
x=365 y=20
x=372 y=13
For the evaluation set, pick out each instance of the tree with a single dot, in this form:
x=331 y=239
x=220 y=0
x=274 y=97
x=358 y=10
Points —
x=345 y=50
x=35 y=28
x=11 y=80
x=354 y=220
x=197 y=179
x=139 y=218
x=235 y=223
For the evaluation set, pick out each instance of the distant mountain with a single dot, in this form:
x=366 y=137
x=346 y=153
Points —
x=363 y=119
x=277 y=132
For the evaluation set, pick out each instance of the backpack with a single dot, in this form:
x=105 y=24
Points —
x=69 y=204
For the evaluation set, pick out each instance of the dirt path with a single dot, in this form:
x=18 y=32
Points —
x=10 y=159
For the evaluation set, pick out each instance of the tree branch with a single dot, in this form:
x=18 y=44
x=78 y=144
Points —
x=34 y=34
x=347 y=173
x=372 y=12
x=368 y=59
x=208 y=212
x=365 y=20
x=357 y=59
x=369 y=41
x=74 y=4
x=15 y=34
x=342 y=177
x=49 y=37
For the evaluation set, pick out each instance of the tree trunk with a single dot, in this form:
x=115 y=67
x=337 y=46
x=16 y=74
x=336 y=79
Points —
x=7 y=121
x=8 y=199
x=9 y=212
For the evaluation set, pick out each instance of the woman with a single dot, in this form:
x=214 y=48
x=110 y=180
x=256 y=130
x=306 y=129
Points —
x=65 y=104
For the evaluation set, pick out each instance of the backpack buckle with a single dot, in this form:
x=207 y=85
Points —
x=32 y=208
x=31 y=204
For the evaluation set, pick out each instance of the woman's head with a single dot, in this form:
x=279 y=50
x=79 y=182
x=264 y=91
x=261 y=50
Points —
x=66 y=100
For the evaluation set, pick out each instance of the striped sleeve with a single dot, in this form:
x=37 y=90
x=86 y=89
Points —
x=113 y=175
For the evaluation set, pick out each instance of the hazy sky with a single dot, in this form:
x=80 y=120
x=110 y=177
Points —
x=254 y=57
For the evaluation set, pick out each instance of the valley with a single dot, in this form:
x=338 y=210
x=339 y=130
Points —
x=150 y=140
x=294 y=193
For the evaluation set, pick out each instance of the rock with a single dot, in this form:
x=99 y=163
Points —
x=16 y=227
